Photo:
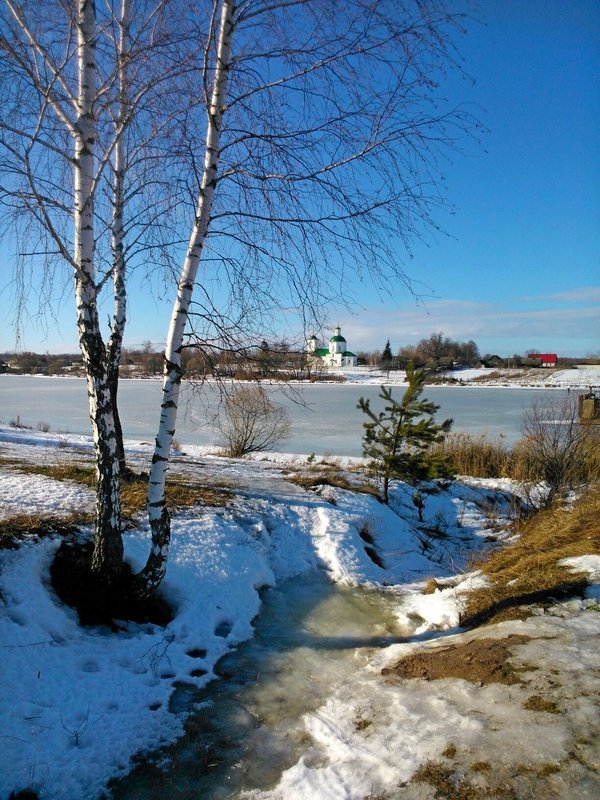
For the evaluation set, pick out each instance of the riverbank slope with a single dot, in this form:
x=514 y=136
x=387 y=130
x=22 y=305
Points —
x=79 y=703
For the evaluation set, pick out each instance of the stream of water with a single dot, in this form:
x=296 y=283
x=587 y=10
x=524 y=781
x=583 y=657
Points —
x=246 y=728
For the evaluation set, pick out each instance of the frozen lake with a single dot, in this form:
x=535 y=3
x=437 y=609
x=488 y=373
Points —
x=327 y=420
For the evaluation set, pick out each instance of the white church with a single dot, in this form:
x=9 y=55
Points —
x=335 y=354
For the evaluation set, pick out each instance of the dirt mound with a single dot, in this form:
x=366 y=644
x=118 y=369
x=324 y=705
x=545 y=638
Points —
x=481 y=661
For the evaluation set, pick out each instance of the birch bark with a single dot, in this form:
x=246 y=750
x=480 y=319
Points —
x=158 y=513
x=115 y=343
x=108 y=547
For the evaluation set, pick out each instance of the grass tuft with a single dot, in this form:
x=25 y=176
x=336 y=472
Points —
x=22 y=527
x=538 y=703
x=527 y=571
x=331 y=477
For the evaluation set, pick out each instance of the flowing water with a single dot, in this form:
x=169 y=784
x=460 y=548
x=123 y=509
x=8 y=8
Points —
x=310 y=637
x=326 y=421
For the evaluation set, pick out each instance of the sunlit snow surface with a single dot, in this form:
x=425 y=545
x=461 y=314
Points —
x=77 y=704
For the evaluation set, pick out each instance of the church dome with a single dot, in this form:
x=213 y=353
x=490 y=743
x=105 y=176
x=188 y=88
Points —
x=338 y=338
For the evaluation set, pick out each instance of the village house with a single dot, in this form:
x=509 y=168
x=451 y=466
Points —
x=335 y=354
x=545 y=359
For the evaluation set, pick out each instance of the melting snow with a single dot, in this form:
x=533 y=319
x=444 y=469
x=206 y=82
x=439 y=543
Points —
x=77 y=704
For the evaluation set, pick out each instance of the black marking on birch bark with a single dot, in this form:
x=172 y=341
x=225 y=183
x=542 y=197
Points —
x=156 y=458
x=172 y=366
x=169 y=404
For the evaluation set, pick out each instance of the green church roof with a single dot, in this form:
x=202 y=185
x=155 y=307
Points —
x=337 y=339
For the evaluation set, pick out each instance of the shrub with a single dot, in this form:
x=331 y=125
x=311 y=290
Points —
x=561 y=449
x=250 y=422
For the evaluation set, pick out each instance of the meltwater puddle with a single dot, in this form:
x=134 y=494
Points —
x=246 y=727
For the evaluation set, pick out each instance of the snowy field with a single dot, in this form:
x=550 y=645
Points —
x=582 y=377
x=77 y=704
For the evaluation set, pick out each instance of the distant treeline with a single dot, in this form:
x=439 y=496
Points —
x=282 y=360
x=439 y=352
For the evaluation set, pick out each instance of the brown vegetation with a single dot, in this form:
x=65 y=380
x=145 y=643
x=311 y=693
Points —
x=481 y=661
x=181 y=493
x=332 y=476
x=492 y=458
x=22 y=527
x=528 y=570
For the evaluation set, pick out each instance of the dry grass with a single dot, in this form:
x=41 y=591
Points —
x=528 y=571
x=60 y=472
x=485 y=458
x=332 y=477
x=14 y=530
x=492 y=458
x=538 y=703
x=179 y=493
x=449 y=785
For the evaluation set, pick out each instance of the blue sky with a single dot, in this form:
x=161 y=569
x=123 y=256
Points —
x=520 y=266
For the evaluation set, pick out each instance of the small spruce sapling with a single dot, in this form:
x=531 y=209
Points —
x=397 y=441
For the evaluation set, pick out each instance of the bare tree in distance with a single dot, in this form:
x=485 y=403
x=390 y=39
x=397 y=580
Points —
x=560 y=449
x=250 y=422
x=313 y=153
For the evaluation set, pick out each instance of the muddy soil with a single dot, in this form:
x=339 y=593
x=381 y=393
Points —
x=481 y=661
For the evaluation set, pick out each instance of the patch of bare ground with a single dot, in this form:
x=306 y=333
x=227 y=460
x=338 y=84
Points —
x=451 y=785
x=332 y=477
x=556 y=780
x=482 y=661
x=71 y=575
x=179 y=492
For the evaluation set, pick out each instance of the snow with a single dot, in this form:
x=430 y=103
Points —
x=34 y=495
x=78 y=704
x=589 y=564
x=580 y=377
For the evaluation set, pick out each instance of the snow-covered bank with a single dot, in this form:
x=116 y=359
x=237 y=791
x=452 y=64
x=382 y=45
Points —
x=582 y=377
x=579 y=377
x=79 y=703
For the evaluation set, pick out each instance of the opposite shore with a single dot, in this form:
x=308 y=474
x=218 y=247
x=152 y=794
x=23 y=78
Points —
x=580 y=377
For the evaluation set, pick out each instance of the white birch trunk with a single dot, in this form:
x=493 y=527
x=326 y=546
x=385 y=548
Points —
x=108 y=546
x=158 y=514
x=115 y=343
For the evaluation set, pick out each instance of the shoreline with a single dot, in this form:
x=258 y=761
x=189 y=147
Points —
x=509 y=379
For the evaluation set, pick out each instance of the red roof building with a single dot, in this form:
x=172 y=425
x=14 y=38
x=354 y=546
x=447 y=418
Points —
x=545 y=359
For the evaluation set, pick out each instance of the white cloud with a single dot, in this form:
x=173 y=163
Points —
x=586 y=294
x=500 y=325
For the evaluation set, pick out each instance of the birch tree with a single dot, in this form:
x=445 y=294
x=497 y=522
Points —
x=65 y=121
x=307 y=162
